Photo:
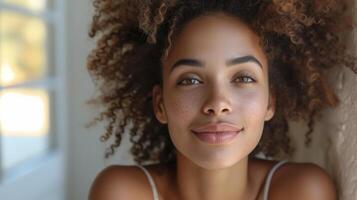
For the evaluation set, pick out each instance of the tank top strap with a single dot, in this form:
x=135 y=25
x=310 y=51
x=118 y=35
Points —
x=269 y=177
x=151 y=181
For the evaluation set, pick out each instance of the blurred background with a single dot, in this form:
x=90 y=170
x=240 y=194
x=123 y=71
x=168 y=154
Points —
x=33 y=94
x=46 y=153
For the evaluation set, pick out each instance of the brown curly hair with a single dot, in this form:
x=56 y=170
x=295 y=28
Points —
x=299 y=38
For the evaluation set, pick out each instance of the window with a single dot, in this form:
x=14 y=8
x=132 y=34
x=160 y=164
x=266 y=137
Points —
x=31 y=62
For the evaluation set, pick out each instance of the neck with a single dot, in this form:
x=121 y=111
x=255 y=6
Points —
x=197 y=183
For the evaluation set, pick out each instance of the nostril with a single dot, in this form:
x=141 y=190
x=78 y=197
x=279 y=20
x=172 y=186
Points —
x=212 y=111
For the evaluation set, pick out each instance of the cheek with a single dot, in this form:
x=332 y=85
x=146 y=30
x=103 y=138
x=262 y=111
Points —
x=250 y=109
x=181 y=109
x=249 y=104
x=252 y=105
x=182 y=105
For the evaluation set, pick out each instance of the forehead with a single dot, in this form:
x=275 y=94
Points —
x=213 y=38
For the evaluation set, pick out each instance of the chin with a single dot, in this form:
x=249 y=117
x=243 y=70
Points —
x=219 y=163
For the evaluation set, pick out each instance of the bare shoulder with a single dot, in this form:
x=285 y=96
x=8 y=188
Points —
x=119 y=182
x=306 y=181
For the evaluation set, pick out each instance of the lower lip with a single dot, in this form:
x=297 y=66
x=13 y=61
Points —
x=216 y=138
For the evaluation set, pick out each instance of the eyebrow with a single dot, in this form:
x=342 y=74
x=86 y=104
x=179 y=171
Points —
x=234 y=61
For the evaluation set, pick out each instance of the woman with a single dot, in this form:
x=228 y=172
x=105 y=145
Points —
x=204 y=86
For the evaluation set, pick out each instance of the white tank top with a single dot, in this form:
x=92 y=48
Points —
x=266 y=184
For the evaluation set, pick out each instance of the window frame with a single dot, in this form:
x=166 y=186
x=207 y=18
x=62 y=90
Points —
x=44 y=175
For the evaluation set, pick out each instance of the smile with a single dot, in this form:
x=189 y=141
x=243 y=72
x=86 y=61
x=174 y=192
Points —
x=216 y=137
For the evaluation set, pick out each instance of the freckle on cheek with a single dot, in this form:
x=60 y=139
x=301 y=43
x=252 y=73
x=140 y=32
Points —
x=181 y=108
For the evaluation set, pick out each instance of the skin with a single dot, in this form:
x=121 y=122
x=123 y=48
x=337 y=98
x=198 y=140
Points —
x=209 y=89
x=214 y=92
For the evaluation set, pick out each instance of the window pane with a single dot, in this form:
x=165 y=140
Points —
x=30 y=4
x=22 y=48
x=24 y=124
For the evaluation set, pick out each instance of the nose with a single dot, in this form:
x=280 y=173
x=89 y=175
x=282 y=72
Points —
x=217 y=104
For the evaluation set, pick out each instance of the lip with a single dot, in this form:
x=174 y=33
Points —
x=221 y=133
x=216 y=138
x=217 y=127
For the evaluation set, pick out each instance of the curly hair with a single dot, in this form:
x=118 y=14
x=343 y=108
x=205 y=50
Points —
x=299 y=37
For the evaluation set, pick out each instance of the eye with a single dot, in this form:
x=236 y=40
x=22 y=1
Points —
x=244 y=79
x=189 y=81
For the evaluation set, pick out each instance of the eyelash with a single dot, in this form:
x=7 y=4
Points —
x=239 y=77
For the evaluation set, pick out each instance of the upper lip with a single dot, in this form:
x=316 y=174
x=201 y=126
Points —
x=217 y=127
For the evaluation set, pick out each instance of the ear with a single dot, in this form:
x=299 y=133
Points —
x=271 y=108
x=158 y=104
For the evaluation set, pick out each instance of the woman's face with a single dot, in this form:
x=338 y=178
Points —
x=215 y=73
